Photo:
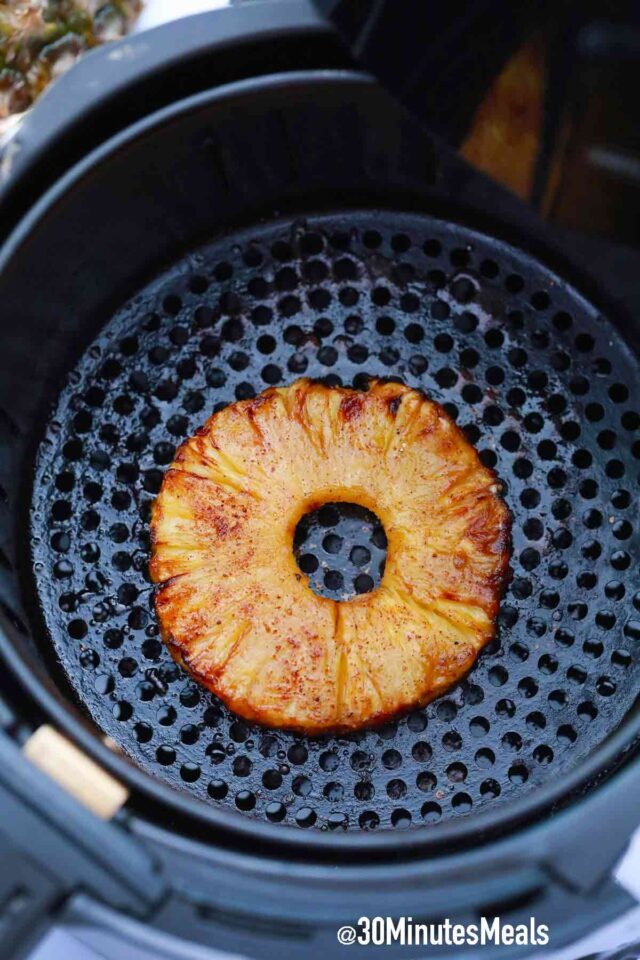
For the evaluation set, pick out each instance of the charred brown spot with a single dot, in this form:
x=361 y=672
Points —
x=163 y=593
x=253 y=407
x=393 y=405
x=300 y=401
x=503 y=539
x=256 y=404
x=428 y=428
x=487 y=531
x=450 y=594
x=351 y=407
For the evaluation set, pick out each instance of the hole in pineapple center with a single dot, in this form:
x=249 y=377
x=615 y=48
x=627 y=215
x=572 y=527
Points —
x=342 y=549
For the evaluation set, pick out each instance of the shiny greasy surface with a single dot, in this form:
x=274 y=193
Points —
x=237 y=612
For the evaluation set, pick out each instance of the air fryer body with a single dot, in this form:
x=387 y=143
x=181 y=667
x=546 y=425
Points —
x=173 y=243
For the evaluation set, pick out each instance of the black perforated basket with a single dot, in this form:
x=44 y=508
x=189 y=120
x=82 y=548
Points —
x=297 y=222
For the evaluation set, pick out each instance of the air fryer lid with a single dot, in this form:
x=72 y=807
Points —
x=538 y=379
x=437 y=62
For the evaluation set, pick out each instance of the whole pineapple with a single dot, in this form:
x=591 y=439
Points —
x=40 y=39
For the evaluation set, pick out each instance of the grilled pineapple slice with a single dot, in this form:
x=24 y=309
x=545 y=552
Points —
x=239 y=615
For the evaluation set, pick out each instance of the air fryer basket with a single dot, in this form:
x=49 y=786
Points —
x=538 y=383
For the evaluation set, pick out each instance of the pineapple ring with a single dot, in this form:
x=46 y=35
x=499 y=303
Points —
x=238 y=614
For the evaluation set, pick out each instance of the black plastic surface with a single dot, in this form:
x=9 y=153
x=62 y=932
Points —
x=438 y=60
x=51 y=846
